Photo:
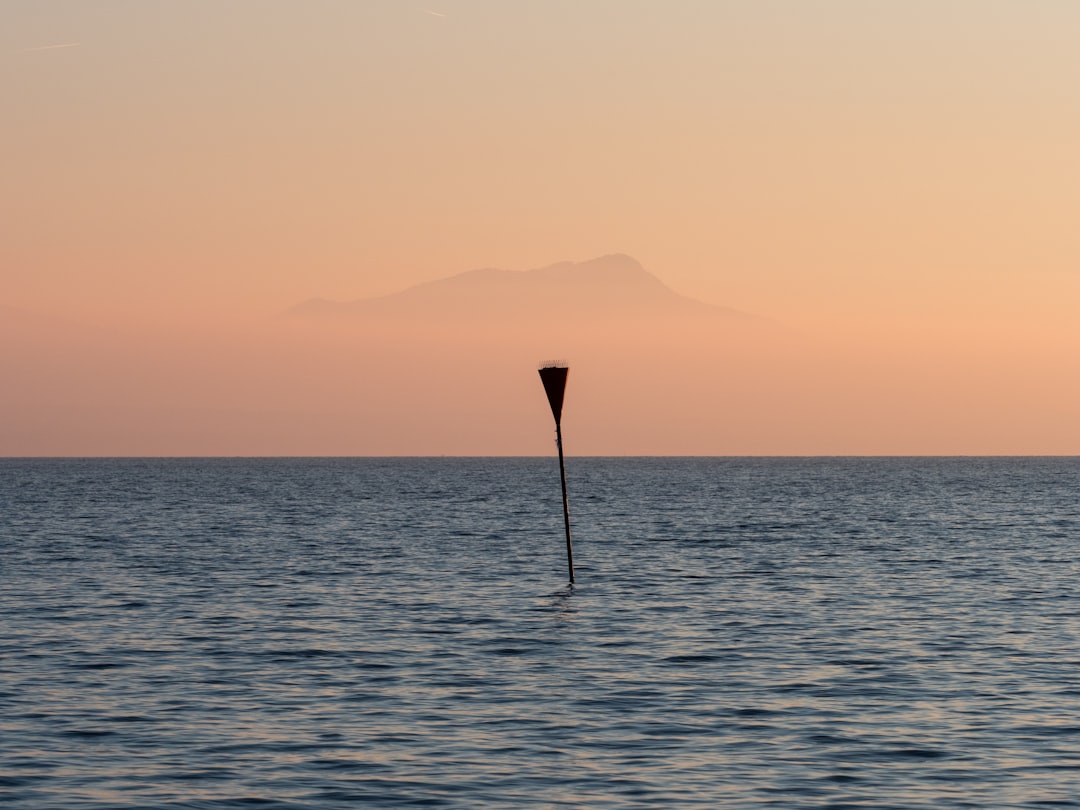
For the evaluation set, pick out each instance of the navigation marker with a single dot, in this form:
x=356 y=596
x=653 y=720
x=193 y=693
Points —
x=553 y=375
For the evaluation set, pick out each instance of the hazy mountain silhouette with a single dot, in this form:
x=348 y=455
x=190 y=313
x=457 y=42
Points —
x=15 y=316
x=29 y=323
x=614 y=287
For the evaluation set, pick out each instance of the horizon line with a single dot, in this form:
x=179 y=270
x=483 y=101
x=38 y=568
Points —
x=545 y=456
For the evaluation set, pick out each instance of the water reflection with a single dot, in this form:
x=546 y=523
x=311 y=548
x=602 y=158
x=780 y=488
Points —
x=743 y=632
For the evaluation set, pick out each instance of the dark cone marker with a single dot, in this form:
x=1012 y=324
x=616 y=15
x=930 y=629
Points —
x=553 y=375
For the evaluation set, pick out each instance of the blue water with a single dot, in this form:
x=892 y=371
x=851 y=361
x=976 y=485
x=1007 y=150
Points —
x=399 y=632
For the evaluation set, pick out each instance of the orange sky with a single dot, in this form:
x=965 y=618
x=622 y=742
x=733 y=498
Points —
x=892 y=184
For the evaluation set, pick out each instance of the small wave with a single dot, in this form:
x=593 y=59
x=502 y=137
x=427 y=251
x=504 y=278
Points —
x=689 y=659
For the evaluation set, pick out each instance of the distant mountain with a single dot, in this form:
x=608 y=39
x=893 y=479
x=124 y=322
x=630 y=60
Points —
x=610 y=287
x=30 y=322
x=14 y=315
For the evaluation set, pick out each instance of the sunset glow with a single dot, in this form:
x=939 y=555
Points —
x=886 y=191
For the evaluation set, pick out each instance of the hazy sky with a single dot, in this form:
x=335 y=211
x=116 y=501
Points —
x=901 y=175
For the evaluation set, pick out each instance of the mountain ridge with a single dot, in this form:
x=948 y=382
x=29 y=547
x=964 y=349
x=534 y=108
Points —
x=611 y=286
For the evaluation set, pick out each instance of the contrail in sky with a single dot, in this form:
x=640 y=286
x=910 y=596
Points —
x=433 y=13
x=50 y=47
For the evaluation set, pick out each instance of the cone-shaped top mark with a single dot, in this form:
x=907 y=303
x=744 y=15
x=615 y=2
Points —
x=553 y=375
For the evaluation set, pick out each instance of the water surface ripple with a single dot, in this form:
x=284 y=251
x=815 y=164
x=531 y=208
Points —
x=306 y=633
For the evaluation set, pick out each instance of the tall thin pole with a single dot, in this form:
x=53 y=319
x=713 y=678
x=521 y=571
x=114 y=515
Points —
x=565 y=503
x=553 y=375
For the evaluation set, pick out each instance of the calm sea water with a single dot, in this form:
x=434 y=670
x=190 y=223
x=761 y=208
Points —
x=391 y=633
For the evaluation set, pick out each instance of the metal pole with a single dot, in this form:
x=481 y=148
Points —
x=553 y=376
x=565 y=503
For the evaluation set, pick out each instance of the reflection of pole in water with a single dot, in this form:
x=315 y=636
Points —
x=553 y=375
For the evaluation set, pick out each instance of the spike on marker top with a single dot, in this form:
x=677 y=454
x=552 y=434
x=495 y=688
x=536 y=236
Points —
x=553 y=375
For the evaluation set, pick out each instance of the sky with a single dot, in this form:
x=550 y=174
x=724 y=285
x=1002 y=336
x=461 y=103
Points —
x=891 y=184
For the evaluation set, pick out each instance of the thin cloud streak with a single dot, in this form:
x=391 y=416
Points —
x=50 y=47
x=433 y=13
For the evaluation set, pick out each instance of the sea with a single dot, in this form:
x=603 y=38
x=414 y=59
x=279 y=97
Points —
x=401 y=632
